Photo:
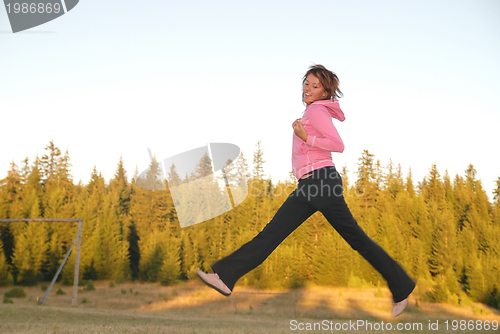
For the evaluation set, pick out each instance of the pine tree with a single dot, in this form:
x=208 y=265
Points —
x=4 y=203
x=29 y=250
x=239 y=180
x=50 y=161
x=462 y=201
x=420 y=227
x=190 y=261
x=25 y=171
x=258 y=189
x=91 y=207
x=258 y=162
x=58 y=200
x=7 y=242
x=54 y=255
x=152 y=252
x=11 y=205
x=204 y=166
x=409 y=184
x=393 y=180
x=152 y=178
x=151 y=213
x=33 y=192
x=444 y=246
x=64 y=169
x=345 y=180
x=433 y=188
x=108 y=260
x=120 y=191
x=496 y=199
x=5 y=276
x=174 y=179
x=170 y=271
x=134 y=251
x=366 y=184
x=210 y=198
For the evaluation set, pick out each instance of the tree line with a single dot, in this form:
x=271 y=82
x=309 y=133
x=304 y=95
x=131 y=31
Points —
x=443 y=230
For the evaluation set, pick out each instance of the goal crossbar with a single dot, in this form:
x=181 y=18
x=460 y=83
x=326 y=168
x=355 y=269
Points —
x=77 y=240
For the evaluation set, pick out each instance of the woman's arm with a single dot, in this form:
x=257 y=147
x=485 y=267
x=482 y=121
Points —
x=329 y=139
x=298 y=128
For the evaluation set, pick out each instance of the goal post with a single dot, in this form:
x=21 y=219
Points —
x=77 y=240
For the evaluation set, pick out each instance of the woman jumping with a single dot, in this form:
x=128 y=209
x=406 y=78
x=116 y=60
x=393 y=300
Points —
x=319 y=189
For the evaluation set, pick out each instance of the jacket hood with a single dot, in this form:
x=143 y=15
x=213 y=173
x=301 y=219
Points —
x=333 y=108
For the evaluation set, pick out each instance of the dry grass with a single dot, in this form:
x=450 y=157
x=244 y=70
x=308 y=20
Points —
x=194 y=308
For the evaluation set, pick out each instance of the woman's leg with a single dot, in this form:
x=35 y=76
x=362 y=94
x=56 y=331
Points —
x=289 y=216
x=339 y=216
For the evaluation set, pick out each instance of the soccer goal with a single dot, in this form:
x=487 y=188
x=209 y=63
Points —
x=78 y=240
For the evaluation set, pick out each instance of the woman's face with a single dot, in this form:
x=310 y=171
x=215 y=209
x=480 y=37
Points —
x=312 y=90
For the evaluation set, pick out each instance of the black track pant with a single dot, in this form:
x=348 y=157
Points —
x=321 y=191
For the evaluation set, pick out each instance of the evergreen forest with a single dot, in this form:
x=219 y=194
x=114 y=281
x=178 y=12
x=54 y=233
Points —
x=443 y=229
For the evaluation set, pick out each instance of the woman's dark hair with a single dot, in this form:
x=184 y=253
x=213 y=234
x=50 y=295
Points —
x=328 y=79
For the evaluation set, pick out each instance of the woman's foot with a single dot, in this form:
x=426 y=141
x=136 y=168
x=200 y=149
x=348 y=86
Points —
x=398 y=308
x=213 y=281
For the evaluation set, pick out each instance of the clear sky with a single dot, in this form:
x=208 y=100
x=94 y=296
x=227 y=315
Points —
x=421 y=81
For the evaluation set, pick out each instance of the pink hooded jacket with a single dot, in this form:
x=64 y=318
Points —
x=322 y=138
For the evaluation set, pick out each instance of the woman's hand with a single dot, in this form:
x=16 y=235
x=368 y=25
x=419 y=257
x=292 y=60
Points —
x=298 y=128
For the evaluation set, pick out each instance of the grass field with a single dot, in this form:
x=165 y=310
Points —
x=194 y=308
